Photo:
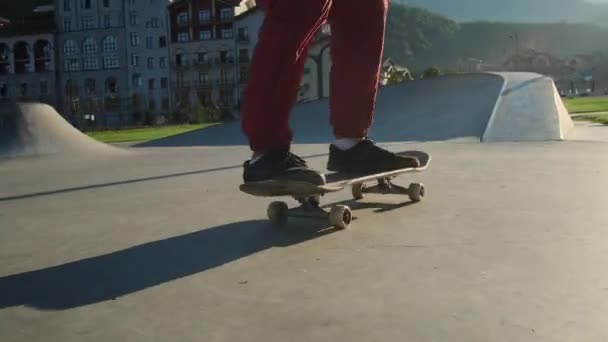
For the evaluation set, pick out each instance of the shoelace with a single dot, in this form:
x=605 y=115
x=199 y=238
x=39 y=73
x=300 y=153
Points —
x=294 y=159
x=370 y=144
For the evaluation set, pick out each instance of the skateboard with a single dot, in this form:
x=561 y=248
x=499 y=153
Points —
x=340 y=216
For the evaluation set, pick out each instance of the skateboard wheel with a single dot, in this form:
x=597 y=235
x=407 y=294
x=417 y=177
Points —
x=277 y=213
x=340 y=216
x=357 y=190
x=416 y=192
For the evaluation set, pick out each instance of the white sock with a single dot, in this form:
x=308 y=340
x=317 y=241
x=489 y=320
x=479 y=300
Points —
x=346 y=144
x=256 y=157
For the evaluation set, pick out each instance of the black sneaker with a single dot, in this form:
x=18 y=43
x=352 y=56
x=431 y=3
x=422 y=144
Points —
x=367 y=158
x=281 y=165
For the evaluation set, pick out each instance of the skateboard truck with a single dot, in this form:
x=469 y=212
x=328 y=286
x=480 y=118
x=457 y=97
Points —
x=340 y=216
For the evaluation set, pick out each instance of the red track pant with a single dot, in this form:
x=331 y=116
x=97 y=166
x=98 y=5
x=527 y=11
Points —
x=357 y=38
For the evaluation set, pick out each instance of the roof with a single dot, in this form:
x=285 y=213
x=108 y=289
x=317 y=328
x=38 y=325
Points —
x=247 y=13
x=37 y=23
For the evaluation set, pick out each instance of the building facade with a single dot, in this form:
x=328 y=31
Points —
x=27 y=59
x=148 y=68
x=204 y=58
x=104 y=59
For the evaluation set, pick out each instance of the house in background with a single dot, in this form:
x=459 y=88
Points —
x=114 y=57
x=27 y=58
x=208 y=53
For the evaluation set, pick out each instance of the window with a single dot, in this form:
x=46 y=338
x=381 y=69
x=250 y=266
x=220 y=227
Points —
x=150 y=62
x=72 y=64
x=90 y=87
x=149 y=42
x=88 y=22
x=151 y=84
x=110 y=62
x=226 y=13
x=162 y=42
x=90 y=63
x=183 y=37
x=162 y=63
x=85 y=4
x=134 y=60
x=67 y=24
x=89 y=46
x=165 y=103
x=205 y=35
x=204 y=17
x=108 y=44
x=243 y=74
x=23 y=89
x=226 y=57
x=44 y=87
x=3 y=91
x=111 y=87
x=227 y=34
x=203 y=58
x=106 y=3
x=182 y=18
x=133 y=19
x=242 y=33
x=107 y=20
x=155 y=23
x=67 y=5
x=134 y=38
x=244 y=55
x=164 y=83
x=70 y=48
x=203 y=77
x=137 y=81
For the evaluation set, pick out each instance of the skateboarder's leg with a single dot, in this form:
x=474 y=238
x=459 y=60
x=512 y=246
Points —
x=275 y=75
x=357 y=43
x=357 y=38
x=276 y=70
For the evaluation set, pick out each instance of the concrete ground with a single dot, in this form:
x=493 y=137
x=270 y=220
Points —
x=510 y=244
x=157 y=243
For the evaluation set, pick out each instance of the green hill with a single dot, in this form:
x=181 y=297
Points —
x=419 y=38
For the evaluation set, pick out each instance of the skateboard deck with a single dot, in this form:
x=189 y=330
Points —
x=340 y=216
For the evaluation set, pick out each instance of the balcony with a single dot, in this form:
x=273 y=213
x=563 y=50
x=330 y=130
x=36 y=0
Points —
x=183 y=65
x=203 y=64
x=181 y=85
x=228 y=61
x=225 y=83
x=182 y=22
x=226 y=19
x=242 y=39
x=203 y=85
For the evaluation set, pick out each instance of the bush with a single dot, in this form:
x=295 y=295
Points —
x=205 y=114
x=431 y=72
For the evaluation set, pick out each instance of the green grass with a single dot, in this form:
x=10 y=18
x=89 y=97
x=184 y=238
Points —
x=143 y=134
x=587 y=104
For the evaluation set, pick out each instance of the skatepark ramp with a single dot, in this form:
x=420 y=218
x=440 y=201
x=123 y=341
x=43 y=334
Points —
x=35 y=129
x=477 y=107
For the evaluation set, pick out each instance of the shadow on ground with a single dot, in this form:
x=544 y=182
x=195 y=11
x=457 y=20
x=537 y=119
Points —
x=109 y=276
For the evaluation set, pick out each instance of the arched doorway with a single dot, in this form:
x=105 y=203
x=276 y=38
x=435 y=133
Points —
x=42 y=56
x=5 y=63
x=21 y=51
